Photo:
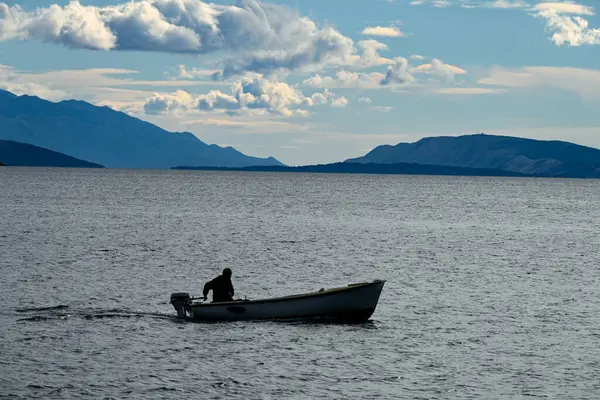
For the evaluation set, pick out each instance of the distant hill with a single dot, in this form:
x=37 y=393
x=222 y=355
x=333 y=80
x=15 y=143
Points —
x=359 y=168
x=108 y=137
x=524 y=156
x=21 y=154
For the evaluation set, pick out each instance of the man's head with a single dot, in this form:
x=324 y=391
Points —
x=227 y=272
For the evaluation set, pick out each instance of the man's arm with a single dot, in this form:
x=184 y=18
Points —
x=231 y=288
x=207 y=288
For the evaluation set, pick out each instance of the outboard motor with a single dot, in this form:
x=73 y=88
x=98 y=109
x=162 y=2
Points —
x=180 y=302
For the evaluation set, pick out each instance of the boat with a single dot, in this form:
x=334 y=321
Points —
x=353 y=303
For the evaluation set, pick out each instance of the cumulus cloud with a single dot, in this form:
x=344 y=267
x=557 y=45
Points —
x=503 y=4
x=469 y=91
x=264 y=37
x=398 y=73
x=566 y=22
x=183 y=72
x=250 y=94
x=345 y=79
x=438 y=68
x=388 y=31
x=327 y=47
x=370 y=54
x=564 y=8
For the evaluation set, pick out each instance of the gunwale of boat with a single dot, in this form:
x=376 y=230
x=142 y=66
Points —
x=325 y=292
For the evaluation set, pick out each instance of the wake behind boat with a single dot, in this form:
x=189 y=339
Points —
x=354 y=303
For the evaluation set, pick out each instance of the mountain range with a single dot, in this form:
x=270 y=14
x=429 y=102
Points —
x=101 y=135
x=524 y=156
x=22 y=154
x=73 y=133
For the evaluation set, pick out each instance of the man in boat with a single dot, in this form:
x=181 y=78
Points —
x=221 y=287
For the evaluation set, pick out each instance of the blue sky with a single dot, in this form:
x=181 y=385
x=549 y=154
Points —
x=310 y=81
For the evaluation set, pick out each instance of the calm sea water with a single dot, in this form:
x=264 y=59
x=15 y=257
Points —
x=493 y=285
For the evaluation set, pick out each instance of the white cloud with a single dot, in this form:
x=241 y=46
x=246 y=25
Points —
x=254 y=95
x=441 y=3
x=33 y=89
x=567 y=7
x=264 y=37
x=564 y=18
x=506 y=4
x=469 y=91
x=252 y=126
x=364 y=100
x=390 y=31
x=398 y=73
x=100 y=86
x=382 y=108
x=183 y=72
x=585 y=82
x=438 y=68
x=370 y=54
x=346 y=79
x=417 y=57
x=499 y=4
x=571 y=29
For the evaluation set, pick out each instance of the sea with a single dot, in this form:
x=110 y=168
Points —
x=492 y=288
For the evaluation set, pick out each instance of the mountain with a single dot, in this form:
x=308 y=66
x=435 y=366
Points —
x=360 y=168
x=108 y=137
x=525 y=156
x=27 y=155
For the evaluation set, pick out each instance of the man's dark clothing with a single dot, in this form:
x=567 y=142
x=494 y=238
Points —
x=221 y=287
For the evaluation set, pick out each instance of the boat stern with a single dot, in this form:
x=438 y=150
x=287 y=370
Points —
x=181 y=303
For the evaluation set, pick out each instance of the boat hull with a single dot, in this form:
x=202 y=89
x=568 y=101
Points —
x=351 y=304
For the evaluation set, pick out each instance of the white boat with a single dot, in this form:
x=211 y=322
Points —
x=349 y=304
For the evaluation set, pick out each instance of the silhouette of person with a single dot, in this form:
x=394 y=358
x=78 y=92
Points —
x=221 y=287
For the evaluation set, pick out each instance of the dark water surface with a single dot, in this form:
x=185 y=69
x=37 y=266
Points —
x=493 y=285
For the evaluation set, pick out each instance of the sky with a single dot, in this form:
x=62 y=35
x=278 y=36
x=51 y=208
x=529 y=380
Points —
x=316 y=81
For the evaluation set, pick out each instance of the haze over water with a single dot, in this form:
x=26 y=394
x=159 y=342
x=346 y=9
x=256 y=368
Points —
x=492 y=285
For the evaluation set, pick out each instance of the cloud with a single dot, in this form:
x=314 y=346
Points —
x=252 y=126
x=100 y=86
x=264 y=37
x=398 y=73
x=33 y=89
x=183 y=72
x=505 y=4
x=499 y=4
x=249 y=95
x=469 y=91
x=391 y=31
x=564 y=8
x=441 y=3
x=364 y=100
x=346 y=79
x=438 y=68
x=564 y=18
x=327 y=48
x=568 y=26
x=370 y=54
x=585 y=82
x=417 y=57
x=382 y=108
